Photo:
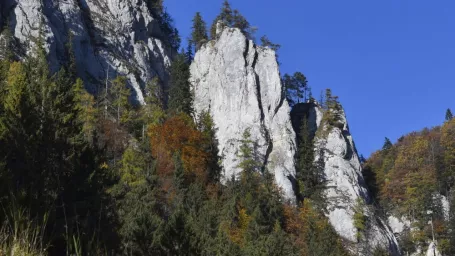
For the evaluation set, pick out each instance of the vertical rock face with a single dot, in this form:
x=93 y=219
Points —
x=109 y=36
x=239 y=84
x=345 y=186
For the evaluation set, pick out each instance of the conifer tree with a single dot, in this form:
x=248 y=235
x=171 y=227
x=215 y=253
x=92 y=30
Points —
x=387 y=144
x=153 y=112
x=265 y=41
x=449 y=115
x=120 y=102
x=180 y=95
x=309 y=173
x=232 y=18
x=87 y=113
x=7 y=44
x=199 y=33
x=305 y=164
x=248 y=163
x=226 y=14
x=296 y=88
x=189 y=53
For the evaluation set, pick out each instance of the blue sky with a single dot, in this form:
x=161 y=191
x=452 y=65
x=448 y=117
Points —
x=391 y=62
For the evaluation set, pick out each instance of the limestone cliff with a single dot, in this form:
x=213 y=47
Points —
x=345 y=191
x=112 y=37
x=239 y=83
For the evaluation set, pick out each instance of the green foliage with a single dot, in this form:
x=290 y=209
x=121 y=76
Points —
x=309 y=174
x=265 y=41
x=360 y=219
x=120 y=100
x=199 y=32
x=155 y=6
x=172 y=37
x=296 y=88
x=8 y=44
x=20 y=235
x=102 y=192
x=449 y=115
x=387 y=144
x=207 y=126
x=180 y=95
x=408 y=177
x=248 y=156
x=47 y=167
x=232 y=18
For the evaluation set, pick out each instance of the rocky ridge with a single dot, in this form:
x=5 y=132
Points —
x=346 y=190
x=109 y=38
x=239 y=83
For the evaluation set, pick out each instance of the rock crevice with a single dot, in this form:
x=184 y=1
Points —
x=239 y=83
x=345 y=185
x=109 y=38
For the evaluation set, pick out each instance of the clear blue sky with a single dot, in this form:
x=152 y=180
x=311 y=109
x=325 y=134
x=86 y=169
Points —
x=392 y=62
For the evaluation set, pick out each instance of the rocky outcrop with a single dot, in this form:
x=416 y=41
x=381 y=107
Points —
x=345 y=186
x=239 y=83
x=109 y=37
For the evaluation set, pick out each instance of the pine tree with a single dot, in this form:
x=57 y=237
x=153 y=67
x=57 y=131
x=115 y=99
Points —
x=189 y=53
x=120 y=102
x=449 y=115
x=199 y=33
x=153 y=112
x=226 y=14
x=305 y=162
x=296 y=88
x=207 y=126
x=180 y=95
x=7 y=44
x=87 y=113
x=232 y=18
x=387 y=144
x=265 y=41
x=248 y=159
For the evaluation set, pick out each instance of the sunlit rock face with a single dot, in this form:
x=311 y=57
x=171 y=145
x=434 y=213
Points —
x=109 y=38
x=239 y=84
x=345 y=185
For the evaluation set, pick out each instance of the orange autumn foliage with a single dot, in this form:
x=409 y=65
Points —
x=306 y=223
x=179 y=135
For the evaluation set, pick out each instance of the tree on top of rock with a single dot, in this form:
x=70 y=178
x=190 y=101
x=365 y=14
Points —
x=296 y=88
x=232 y=18
x=199 y=34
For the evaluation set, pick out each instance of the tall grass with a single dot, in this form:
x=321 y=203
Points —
x=20 y=235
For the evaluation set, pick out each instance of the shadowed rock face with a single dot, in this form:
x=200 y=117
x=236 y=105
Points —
x=109 y=36
x=344 y=181
x=239 y=84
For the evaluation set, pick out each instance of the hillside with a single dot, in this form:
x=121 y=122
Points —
x=117 y=141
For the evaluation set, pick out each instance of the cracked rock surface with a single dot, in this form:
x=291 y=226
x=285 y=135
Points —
x=109 y=36
x=239 y=84
x=346 y=186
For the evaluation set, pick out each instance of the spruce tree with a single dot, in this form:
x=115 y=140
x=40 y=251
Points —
x=296 y=88
x=449 y=115
x=226 y=14
x=387 y=144
x=199 y=33
x=232 y=18
x=306 y=177
x=180 y=95
x=189 y=53
x=265 y=41
x=248 y=159
x=120 y=100
x=7 y=44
